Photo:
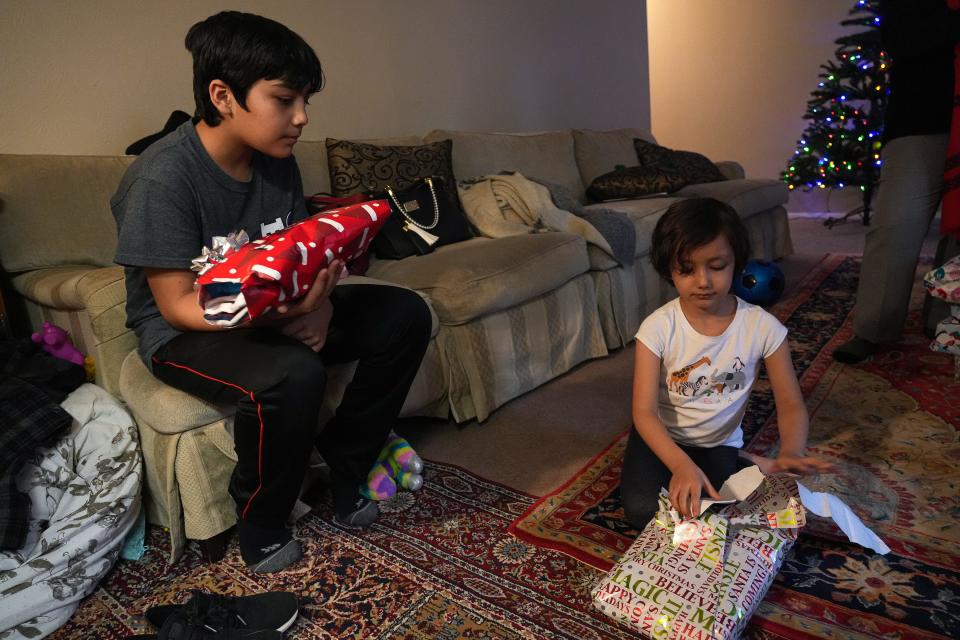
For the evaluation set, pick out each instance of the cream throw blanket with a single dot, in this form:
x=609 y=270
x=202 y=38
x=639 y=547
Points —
x=510 y=205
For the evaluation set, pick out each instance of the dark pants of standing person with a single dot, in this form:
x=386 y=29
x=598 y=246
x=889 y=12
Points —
x=277 y=385
x=644 y=474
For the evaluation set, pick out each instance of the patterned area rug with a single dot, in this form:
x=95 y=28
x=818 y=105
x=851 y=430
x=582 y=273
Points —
x=439 y=563
x=890 y=425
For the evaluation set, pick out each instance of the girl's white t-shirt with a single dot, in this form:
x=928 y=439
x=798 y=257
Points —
x=705 y=381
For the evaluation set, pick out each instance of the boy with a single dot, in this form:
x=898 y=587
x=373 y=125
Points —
x=232 y=168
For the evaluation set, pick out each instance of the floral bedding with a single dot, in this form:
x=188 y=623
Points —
x=85 y=497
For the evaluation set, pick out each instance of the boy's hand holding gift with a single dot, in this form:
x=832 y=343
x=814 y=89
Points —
x=240 y=281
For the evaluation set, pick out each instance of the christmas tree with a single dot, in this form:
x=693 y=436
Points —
x=841 y=145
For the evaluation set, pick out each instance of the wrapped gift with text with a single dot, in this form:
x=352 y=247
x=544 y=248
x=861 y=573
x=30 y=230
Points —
x=241 y=280
x=944 y=283
x=704 y=577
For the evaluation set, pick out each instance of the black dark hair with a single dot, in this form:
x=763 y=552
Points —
x=243 y=48
x=688 y=224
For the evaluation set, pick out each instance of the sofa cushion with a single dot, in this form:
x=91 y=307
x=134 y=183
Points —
x=691 y=165
x=360 y=167
x=539 y=156
x=748 y=196
x=633 y=182
x=644 y=213
x=40 y=199
x=600 y=152
x=312 y=160
x=481 y=276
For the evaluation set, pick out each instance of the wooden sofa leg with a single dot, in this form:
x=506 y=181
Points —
x=213 y=549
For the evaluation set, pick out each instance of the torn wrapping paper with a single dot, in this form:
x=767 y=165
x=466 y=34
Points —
x=704 y=577
x=947 y=338
x=240 y=280
x=944 y=283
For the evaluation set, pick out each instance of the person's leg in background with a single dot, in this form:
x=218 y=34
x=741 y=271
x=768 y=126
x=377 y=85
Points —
x=277 y=385
x=908 y=193
x=387 y=329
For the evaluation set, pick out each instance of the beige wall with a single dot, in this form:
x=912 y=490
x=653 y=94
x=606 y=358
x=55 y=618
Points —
x=731 y=79
x=90 y=77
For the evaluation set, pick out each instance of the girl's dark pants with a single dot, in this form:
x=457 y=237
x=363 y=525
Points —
x=643 y=474
x=277 y=385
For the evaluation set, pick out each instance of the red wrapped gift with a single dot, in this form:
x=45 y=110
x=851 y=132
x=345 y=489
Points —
x=241 y=280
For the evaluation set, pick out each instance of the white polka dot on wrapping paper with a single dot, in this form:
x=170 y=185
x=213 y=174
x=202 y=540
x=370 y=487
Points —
x=313 y=245
x=233 y=270
x=270 y=258
x=281 y=239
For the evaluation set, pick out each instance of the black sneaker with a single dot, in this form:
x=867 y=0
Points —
x=855 y=351
x=178 y=627
x=274 y=610
x=351 y=509
x=267 y=550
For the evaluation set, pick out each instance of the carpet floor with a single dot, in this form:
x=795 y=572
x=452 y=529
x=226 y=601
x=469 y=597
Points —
x=890 y=425
x=439 y=563
x=443 y=563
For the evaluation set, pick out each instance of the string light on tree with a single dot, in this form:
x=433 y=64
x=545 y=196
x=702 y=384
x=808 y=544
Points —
x=841 y=143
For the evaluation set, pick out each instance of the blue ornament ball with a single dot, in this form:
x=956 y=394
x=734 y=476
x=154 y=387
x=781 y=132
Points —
x=761 y=283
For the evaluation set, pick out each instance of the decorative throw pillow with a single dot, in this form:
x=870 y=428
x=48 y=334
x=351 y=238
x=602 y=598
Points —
x=633 y=182
x=358 y=167
x=694 y=167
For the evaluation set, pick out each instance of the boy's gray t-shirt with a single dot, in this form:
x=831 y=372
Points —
x=173 y=200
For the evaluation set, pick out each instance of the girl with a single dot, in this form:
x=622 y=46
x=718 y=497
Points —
x=696 y=360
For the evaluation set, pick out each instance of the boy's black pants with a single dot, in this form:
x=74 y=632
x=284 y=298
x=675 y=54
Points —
x=644 y=473
x=277 y=385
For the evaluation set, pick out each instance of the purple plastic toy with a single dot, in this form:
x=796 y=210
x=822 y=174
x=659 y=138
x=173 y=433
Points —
x=56 y=342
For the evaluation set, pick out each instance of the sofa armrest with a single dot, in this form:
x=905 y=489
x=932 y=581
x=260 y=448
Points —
x=731 y=169
x=90 y=303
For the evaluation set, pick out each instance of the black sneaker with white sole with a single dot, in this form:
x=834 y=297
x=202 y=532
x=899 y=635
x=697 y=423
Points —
x=178 y=627
x=274 y=610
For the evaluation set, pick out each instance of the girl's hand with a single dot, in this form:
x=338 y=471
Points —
x=789 y=463
x=311 y=328
x=800 y=465
x=686 y=485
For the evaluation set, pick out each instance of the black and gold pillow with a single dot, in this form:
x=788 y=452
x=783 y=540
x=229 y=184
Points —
x=358 y=167
x=634 y=182
x=694 y=167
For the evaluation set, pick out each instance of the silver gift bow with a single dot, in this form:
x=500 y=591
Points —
x=220 y=247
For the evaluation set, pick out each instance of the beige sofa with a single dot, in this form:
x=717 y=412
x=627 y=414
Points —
x=510 y=313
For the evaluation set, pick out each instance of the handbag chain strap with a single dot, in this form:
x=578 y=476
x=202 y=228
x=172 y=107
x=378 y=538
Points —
x=403 y=212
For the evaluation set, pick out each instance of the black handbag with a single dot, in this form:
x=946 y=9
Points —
x=423 y=217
